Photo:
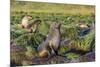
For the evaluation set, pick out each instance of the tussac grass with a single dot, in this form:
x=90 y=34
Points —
x=68 y=14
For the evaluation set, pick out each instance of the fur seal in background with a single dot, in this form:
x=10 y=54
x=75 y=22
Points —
x=32 y=27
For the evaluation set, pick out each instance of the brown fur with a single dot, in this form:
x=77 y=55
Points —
x=52 y=42
x=31 y=27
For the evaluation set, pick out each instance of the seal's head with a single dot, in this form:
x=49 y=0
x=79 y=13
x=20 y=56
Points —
x=29 y=17
x=56 y=25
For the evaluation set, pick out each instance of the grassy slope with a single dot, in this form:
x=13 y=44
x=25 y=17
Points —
x=52 y=8
x=31 y=40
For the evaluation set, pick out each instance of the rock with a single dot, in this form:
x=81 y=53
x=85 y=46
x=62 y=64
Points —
x=17 y=48
x=17 y=54
x=89 y=57
x=59 y=59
